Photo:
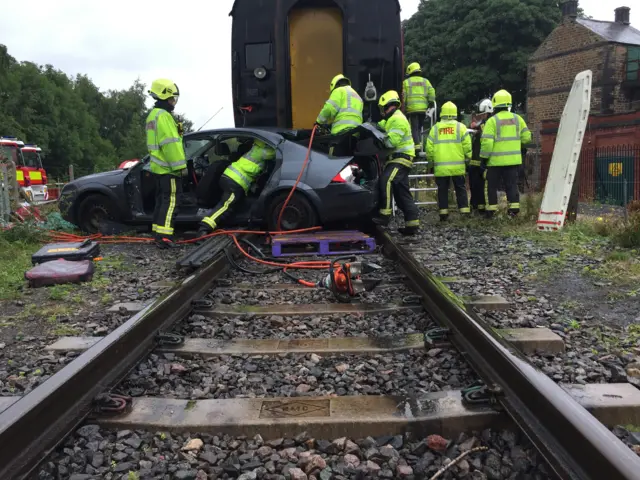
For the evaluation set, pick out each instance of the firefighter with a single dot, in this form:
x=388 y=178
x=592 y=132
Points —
x=476 y=173
x=235 y=182
x=168 y=162
x=341 y=112
x=449 y=148
x=503 y=136
x=417 y=95
x=395 y=178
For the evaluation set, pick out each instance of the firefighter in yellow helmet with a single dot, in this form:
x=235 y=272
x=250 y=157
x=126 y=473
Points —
x=167 y=158
x=341 y=112
x=395 y=177
x=449 y=148
x=417 y=95
x=236 y=182
x=501 y=153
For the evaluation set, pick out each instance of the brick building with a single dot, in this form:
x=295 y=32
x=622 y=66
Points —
x=610 y=49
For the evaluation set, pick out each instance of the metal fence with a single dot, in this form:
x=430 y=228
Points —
x=606 y=175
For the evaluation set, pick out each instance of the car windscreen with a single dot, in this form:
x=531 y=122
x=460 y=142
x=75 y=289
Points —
x=194 y=147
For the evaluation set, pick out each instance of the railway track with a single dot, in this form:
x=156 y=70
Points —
x=229 y=353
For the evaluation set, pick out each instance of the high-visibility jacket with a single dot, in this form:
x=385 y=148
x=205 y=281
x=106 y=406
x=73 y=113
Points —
x=399 y=138
x=342 y=111
x=416 y=93
x=164 y=143
x=245 y=170
x=502 y=139
x=448 y=147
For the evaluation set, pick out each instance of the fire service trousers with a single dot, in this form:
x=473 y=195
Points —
x=168 y=191
x=476 y=185
x=460 y=186
x=417 y=124
x=395 y=181
x=232 y=196
x=509 y=175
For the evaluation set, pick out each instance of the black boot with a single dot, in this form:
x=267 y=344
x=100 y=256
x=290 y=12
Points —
x=164 y=242
x=382 y=220
x=444 y=217
x=408 y=231
x=489 y=214
x=514 y=212
x=203 y=231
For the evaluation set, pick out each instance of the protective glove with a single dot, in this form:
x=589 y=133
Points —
x=180 y=129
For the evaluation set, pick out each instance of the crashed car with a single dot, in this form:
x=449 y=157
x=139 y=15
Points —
x=333 y=190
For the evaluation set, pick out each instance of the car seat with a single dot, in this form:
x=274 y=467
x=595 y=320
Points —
x=207 y=191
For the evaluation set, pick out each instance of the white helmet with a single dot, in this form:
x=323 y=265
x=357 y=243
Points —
x=485 y=106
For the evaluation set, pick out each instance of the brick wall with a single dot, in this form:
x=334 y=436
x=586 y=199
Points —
x=553 y=67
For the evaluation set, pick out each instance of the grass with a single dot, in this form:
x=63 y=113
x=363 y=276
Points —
x=16 y=247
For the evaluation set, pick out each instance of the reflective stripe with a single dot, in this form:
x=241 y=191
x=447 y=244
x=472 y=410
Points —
x=170 y=140
x=240 y=174
x=333 y=104
x=397 y=130
x=162 y=163
x=486 y=135
x=443 y=211
x=211 y=220
x=412 y=223
x=164 y=230
x=465 y=210
x=389 y=183
x=153 y=125
x=170 y=210
x=475 y=163
x=457 y=162
x=408 y=148
x=346 y=122
x=504 y=154
x=514 y=205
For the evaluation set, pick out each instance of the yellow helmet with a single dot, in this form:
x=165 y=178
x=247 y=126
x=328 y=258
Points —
x=389 y=97
x=413 y=68
x=449 y=109
x=336 y=79
x=162 y=89
x=501 y=98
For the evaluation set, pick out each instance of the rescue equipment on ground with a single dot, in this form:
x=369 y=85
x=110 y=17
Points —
x=78 y=251
x=322 y=243
x=59 y=272
x=345 y=279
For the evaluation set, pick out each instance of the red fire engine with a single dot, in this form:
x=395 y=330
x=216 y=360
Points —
x=30 y=174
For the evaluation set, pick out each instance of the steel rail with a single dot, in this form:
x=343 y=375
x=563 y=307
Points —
x=35 y=424
x=571 y=440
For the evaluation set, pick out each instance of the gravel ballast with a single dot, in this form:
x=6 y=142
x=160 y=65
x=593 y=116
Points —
x=290 y=375
x=122 y=455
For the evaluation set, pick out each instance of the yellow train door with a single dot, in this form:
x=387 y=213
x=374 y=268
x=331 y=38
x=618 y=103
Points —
x=315 y=48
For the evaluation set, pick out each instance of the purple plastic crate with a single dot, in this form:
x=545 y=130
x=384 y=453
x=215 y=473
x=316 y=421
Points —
x=322 y=243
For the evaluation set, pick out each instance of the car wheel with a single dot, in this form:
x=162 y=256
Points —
x=298 y=214
x=94 y=210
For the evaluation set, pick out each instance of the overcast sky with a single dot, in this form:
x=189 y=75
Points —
x=187 y=41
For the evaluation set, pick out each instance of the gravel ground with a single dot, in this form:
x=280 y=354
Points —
x=290 y=375
x=125 y=455
x=42 y=315
x=276 y=326
x=547 y=286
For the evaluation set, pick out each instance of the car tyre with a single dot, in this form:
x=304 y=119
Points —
x=299 y=213
x=93 y=210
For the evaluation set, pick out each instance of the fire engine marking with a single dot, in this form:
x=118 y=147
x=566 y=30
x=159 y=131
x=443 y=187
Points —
x=295 y=408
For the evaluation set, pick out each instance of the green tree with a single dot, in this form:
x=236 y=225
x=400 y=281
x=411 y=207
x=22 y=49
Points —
x=70 y=118
x=469 y=50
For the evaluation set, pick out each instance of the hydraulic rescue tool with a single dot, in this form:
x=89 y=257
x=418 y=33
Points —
x=345 y=279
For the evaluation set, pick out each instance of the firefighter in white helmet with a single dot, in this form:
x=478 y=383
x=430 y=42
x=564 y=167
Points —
x=484 y=109
x=168 y=162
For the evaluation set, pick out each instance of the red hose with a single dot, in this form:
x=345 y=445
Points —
x=295 y=185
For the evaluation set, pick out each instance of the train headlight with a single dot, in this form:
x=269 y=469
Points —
x=260 y=73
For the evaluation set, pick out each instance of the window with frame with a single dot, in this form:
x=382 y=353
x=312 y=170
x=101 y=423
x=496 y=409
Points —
x=258 y=55
x=633 y=63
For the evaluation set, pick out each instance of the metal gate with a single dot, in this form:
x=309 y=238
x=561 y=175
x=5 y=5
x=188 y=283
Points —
x=422 y=167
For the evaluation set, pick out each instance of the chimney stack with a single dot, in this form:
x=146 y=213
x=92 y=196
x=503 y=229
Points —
x=569 y=9
x=622 y=15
